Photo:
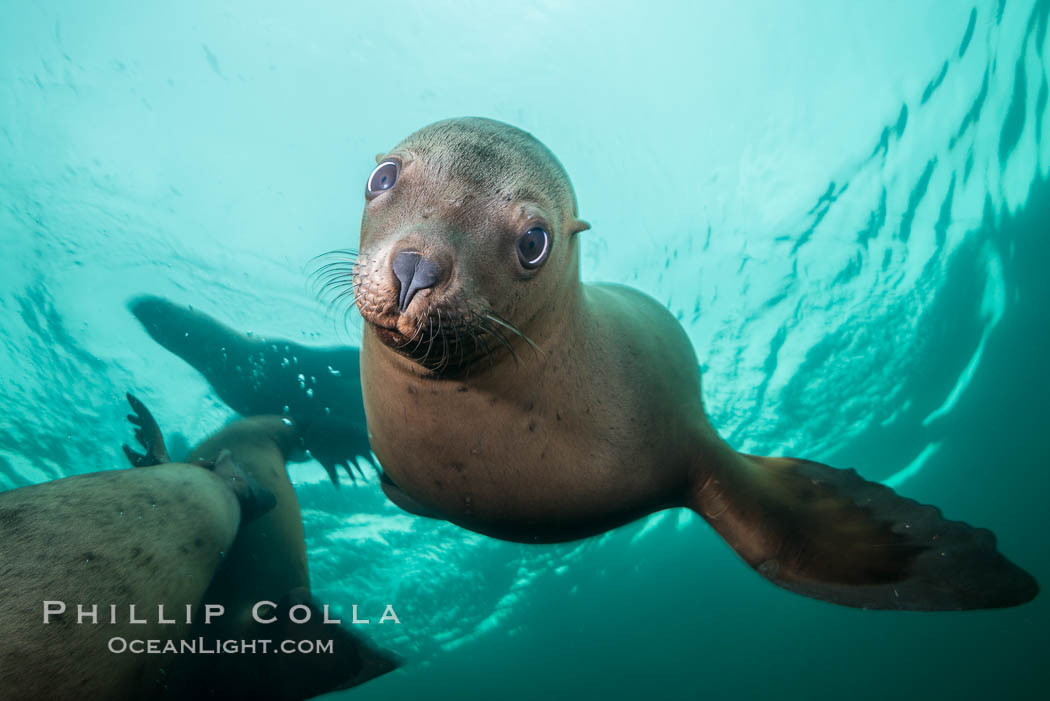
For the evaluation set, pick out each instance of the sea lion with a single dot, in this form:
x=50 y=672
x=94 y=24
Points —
x=320 y=387
x=504 y=395
x=266 y=563
x=148 y=536
x=171 y=534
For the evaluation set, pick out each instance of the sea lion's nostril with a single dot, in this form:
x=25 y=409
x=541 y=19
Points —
x=415 y=273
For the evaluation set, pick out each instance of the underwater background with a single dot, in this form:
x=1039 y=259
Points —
x=847 y=205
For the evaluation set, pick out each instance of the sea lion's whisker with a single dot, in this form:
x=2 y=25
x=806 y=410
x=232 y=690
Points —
x=341 y=264
x=419 y=329
x=511 y=327
x=430 y=344
x=459 y=342
x=345 y=290
x=339 y=254
x=337 y=286
x=488 y=351
x=495 y=333
x=333 y=276
x=444 y=344
x=331 y=307
x=336 y=298
x=411 y=338
x=348 y=315
x=321 y=286
x=333 y=284
x=330 y=272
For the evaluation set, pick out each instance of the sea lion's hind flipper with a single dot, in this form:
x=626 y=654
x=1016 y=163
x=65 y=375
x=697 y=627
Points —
x=193 y=336
x=228 y=360
x=348 y=465
x=148 y=434
x=350 y=661
x=832 y=535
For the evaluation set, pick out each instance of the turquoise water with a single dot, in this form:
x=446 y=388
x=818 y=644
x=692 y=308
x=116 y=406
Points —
x=847 y=208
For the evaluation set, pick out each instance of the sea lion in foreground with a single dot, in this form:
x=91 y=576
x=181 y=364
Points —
x=504 y=395
x=176 y=535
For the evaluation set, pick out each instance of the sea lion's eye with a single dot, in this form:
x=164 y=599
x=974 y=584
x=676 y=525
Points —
x=382 y=178
x=533 y=247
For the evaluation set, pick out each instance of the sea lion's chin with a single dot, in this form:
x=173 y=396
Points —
x=390 y=336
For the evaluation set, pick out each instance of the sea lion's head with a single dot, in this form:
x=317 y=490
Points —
x=468 y=237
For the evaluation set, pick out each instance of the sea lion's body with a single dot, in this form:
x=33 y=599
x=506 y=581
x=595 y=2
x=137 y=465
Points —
x=172 y=534
x=149 y=536
x=504 y=395
x=591 y=447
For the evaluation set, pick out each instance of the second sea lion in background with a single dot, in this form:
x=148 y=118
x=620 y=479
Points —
x=318 y=387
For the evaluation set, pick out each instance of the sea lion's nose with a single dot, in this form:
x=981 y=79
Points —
x=415 y=273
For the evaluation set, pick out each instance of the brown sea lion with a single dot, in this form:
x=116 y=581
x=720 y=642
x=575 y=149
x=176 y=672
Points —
x=221 y=530
x=504 y=395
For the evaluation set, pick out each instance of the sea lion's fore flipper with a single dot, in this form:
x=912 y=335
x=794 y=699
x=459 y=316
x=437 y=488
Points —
x=148 y=434
x=351 y=659
x=255 y=499
x=832 y=535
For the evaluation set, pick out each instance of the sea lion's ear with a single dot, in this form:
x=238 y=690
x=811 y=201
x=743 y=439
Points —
x=578 y=225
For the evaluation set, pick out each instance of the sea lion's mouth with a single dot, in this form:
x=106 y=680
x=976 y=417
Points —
x=390 y=336
x=440 y=341
x=447 y=335
x=449 y=343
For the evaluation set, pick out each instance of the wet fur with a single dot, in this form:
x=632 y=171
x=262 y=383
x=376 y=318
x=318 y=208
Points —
x=67 y=541
x=607 y=424
x=180 y=541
